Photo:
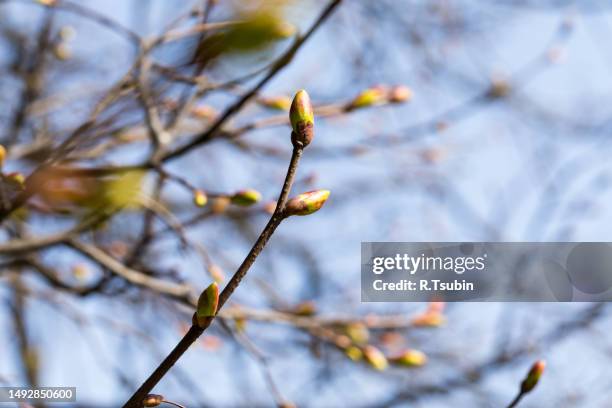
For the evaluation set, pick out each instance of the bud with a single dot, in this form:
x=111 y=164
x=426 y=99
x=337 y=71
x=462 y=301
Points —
x=301 y=117
x=152 y=400
x=80 y=271
x=499 y=88
x=282 y=103
x=533 y=376
x=371 y=96
x=219 y=204
x=375 y=358
x=2 y=156
x=307 y=308
x=207 y=304
x=67 y=33
x=410 y=358
x=342 y=341
x=399 y=94
x=358 y=332
x=306 y=203
x=246 y=198
x=354 y=353
x=240 y=324
x=204 y=112
x=62 y=52
x=199 y=198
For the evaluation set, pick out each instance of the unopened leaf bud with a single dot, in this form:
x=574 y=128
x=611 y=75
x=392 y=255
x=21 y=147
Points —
x=220 y=204
x=369 y=97
x=499 y=88
x=410 y=358
x=67 y=33
x=152 y=400
x=301 y=117
x=62 y=51
x=282 y=103
x=207 y=304
x=204 y=112
x=533 y=377
x=375 y=358
x=199 y=198
x=307 y=308
x=358 y=332
x=306 y=203
x=399 y=94
x=354 y=353
x=246 y=198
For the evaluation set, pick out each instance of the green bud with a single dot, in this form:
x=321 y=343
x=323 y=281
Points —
x=307 y=308
x=207 y=304
x=358 y=332
x=279 y=103
x=536 y=371
x=410 y=358
x=371 y=96
x=306 y=203
x=199 y=198
x=152 y=400
x=354 y=353
x=246 y=198
x=375 y=358
x=301 y=117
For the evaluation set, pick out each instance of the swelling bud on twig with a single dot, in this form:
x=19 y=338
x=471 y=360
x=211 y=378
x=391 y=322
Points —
x=246 y=198
x=371 y=96
x=536 y=371
x=358 y=332
x=152 y=400
x=354 y=353
x=199 y=198
x=410 y=358
x=306 y=203
x=282 y=103
x=375 y=358
x=399 y=94
x=207 y=304
x=307 y=308
x=301 y=117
